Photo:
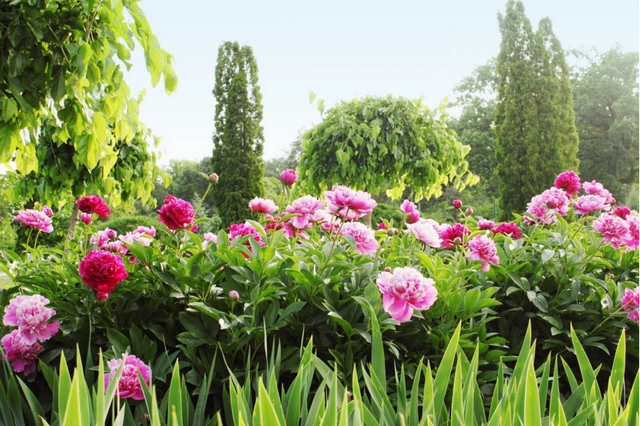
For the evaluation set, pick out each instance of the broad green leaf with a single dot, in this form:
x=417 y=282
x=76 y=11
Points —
x=88 y=149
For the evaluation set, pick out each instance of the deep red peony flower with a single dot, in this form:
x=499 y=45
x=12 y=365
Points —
x=176 y=213
x=93 y=204
x=102 y=271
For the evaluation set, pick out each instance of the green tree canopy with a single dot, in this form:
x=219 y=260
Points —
x=383 y=143
x=238 y=140
x=63 y=60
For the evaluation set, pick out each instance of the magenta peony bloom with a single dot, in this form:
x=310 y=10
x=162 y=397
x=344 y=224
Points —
x=631 y=302
x=588 y=203
x=102 y=271
x=405 y=290
x=47 y=210
x=596 y=188
x=381 y=227
x=31 y=316
x=35 y=219
x=425 y=232
x=93 y=204
x=453 y=234
x=349 y=204
x=21 y=354
x=288 y=176
x=456 y=203
x=101 y=238
x=411 y=211
x=486 y=224
x=363 y=235
x=305 y=207
x=483 y=249
x=129 y=384
x=622 y=211
x=261 y=205
x=86 y=218
x=614 y=229
x=568 y=181
x=240 y=230
x=176 y=213
x=508 y=228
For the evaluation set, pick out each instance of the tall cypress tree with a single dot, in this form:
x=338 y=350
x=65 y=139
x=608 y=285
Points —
x=238 y=139
x=536 y=137
x=517 y=132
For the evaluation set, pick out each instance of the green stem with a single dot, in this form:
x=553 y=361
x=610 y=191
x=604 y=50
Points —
x=195 y=212
x=35 y=244
x=606 y=319
x=335 y=238
x=29 y=236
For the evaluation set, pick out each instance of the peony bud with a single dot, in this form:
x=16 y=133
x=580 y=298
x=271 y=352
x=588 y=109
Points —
x=288 y=176
x=213 y=177
x=456 y=203
x=468 y=211
x=234 y=295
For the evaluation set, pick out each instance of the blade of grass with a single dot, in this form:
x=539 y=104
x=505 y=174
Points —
x=616 y=379
x=588 y=376
x=443 y=375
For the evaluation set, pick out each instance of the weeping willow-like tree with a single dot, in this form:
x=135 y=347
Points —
x=238 y=139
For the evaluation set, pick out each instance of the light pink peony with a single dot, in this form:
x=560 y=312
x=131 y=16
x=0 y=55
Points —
x=363 y=235
x=262 y=205
x=508 y=228
x=102 y=271
x=405 y=290
x=288 y=176
x=614 y=229
x=305 y=207
x=631 y=239
x=176 y=214
x=588 y=203
x=483 y=249
x=129 y=384
x=543 y=207
x=349 y=204
x=35 y=219
x=541 y=213
x=21 y=354
x=143 y=230
x=411 y=211
x=234 y=295
x=596 y=188
x=101 y=238
x=93 y=204
x=453 y=235
x=47 y=210
x=485 y=224
x=425 y=232
x=135 y=236
x=31 y=316
x=630 y=302
x=568 y=181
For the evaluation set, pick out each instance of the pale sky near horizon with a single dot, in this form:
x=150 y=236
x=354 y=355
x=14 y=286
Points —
x=340 y=50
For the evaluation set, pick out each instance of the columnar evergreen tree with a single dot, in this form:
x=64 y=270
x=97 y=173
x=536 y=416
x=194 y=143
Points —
x=238 y=139
x=536 y=135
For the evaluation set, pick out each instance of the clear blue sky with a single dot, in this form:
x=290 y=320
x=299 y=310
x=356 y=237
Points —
x=340 y=50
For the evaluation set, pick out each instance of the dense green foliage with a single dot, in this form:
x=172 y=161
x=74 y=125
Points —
x=63 y=59
x=238 y=139
x=383 y=143
x=606 y=103
x=535 y=130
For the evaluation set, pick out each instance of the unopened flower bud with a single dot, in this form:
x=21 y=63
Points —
x=468 y=211
x=213 y=177
x=387 y=269
x=288 y=176
x=456 y=203
x=457 y=240
x=234 y=295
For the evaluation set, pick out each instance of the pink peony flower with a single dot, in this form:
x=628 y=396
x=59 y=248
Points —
x=483 y=249
x=211 y=237
x=425 y=232
x=143 y=230
x=116 y=247
x=405 y=290
x=35 y=219
x=381 y=227
x=86 y=218
x=411 y=211
x=101 y=238
x=102 y=271
x=453 y=234
x=557 y=200
x=129 y=384
x=240 y=230
x=93 y=204
x=614 y=229
x=347 y=203
x=631 y=240
x=485 y=224
x=47 y=210
x=456 y=203
x=508 y=228
x=588 y=203
x=288 y=176
x=21 y=354
x=31 y=316
x=622 y=211
x=568 y=181
x=176 y=213
x=543 y=207
x=363 y=235
x=261 y=205
x=305 y=207
x=630 y=302
x=133 y=237
x=596 y=188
